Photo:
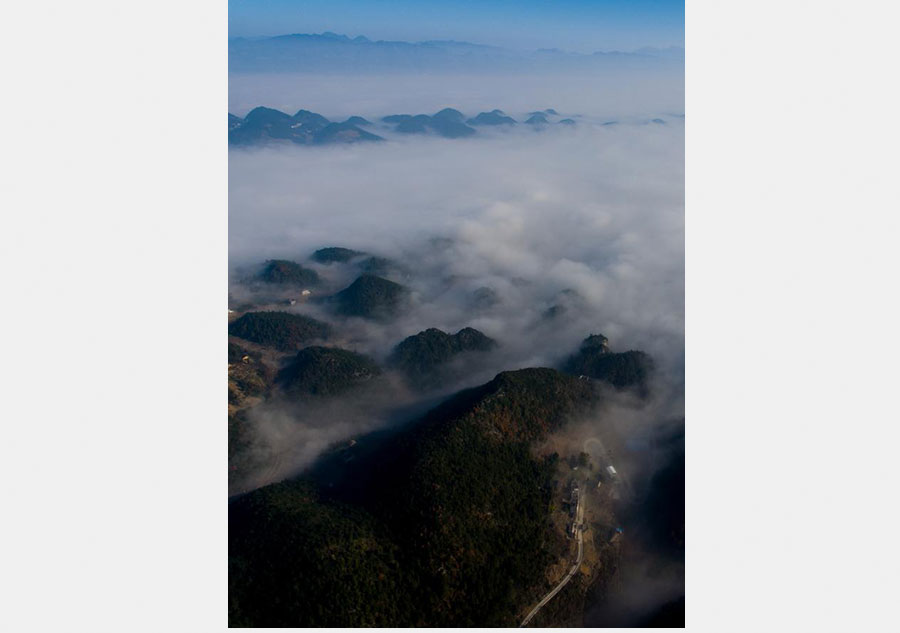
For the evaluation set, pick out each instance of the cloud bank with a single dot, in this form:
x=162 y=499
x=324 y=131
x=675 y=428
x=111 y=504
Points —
x=597 y=210
x=610 y=94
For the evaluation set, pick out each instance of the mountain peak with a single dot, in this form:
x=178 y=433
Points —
x=494 y=117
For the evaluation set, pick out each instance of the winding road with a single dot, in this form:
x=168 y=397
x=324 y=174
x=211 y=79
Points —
x=602 y=454
x=579 y=523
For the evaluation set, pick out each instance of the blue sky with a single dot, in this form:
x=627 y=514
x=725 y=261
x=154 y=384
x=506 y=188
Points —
x=575 y=25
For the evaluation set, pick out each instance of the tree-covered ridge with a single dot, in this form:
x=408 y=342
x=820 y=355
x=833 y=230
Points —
x=332 y=254
x=449 y=518
x=494 y=117
x=282 y=271
x=296 y=560
x=479 y=496
x=526 y=404
x=281 y=330
x=475 y=514
x=371 y=297
x=264 y=125
x=448 y=123
x=267 y=125
x=421 y=355
x=623 y=369
x=365 y=262
x=596 y=344
x=326 y=371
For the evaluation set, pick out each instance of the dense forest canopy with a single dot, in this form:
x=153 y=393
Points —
x=281 y=330
x=282 y=271
x=372 y=297
x=445 y=525
x=326 y=371
x=622 y=370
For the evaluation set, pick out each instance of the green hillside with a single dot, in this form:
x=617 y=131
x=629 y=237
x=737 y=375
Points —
x=622 y=370
x=442 y=524
x=326 y=371
x=332 y=254
x=281 y=330
x=282 y=271
x=421 y=356
x=371 y=297
x=296 y=560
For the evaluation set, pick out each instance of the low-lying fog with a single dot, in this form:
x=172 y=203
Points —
x=585 y=220
x=593 y=209
x=613 y=93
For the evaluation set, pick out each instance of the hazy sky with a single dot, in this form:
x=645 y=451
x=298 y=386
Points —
x=575 y=25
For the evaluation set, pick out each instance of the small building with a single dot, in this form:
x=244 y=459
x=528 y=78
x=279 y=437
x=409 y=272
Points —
x=573 y=501
x=305 y=293
x=615 y=535
x=611 y=471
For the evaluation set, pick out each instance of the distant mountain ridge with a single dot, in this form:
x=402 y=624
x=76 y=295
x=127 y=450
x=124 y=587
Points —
x=333 y=52
x=264 y=125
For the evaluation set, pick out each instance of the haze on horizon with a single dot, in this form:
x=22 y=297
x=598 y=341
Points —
x=582 y=26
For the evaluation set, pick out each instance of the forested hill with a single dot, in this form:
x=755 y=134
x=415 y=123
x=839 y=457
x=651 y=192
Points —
x=444 y=524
